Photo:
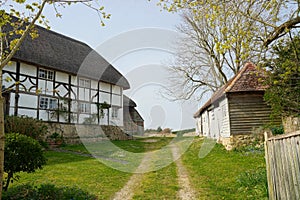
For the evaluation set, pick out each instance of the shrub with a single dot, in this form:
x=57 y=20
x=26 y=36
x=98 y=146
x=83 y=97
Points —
x=277 y=130
x=167 y=130
x=28 y=126
x=254 y=183
x=159 y=129
x=22 y=154
x=46 y=191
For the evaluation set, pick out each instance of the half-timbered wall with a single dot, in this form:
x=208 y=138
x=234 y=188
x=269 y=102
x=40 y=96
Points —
x=60 y=97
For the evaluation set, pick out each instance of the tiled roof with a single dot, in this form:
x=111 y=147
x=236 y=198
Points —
x=246 y=80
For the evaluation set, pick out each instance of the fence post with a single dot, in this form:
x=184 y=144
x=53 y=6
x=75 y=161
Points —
x=269 y=178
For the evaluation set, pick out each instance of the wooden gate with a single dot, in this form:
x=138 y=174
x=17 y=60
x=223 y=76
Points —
x=283 y=166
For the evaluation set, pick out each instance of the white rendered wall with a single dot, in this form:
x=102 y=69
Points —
x=205 y=122
x=12 y=67
x=27 y=69
x=224 y=118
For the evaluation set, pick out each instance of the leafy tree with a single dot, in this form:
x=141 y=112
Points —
x=275 y=17
x=22 y=154
x=28 y=13
x=283 y=93
x=159 y=129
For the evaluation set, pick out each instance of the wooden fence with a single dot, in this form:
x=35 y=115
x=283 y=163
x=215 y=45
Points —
x=283 y=166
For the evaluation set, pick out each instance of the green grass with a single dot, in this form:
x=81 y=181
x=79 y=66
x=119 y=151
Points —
x=219 y=175
x=161 y=184
x=215 y=176
x=64 y=169
x=136 y=146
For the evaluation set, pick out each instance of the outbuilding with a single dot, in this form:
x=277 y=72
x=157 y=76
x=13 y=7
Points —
x=237 y=112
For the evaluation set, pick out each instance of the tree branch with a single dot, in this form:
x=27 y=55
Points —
x=281 y=30
x=22 y=38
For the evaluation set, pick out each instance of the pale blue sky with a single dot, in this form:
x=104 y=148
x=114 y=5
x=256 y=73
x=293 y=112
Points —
x=137 y=40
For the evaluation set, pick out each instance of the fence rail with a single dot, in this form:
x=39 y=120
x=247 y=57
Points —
x=283 y=166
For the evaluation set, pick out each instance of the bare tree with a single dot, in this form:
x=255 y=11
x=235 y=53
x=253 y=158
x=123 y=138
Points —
x=209 y=54
x=220 y=36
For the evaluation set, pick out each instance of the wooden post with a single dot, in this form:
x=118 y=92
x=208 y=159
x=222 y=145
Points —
x=269 y=176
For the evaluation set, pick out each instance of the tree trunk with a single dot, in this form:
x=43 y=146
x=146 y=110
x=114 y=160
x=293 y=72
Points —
x=10 y=176
x=2 y=139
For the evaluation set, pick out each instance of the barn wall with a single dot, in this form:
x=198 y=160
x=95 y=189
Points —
x=223 y=118
x=205 y=123
x=248 y=113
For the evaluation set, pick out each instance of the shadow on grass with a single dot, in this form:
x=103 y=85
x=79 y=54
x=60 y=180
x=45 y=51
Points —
x=54 y=158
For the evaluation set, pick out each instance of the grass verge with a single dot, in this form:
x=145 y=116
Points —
x=216 y=175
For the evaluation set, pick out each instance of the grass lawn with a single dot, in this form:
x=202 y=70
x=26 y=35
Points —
x=213 y=177
x=64 y=169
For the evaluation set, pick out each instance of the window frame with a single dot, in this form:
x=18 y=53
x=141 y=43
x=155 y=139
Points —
x=84 y=108
x=115 y=112
x=46 y=74
x=48 y=103
x=84 y=83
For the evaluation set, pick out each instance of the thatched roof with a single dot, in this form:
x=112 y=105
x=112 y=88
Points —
x=127 y=102
x=58 y=52
x=246 y=80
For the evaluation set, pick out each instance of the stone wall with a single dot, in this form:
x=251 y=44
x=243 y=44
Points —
x=291 y=124
x=236 y=141
x=77 y=133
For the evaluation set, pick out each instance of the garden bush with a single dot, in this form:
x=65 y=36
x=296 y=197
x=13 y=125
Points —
x=22 y=154
x=46 y=192
x=277 y=130
x=24 y=125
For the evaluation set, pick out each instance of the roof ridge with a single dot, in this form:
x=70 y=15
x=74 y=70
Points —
x=53 y=32
x=63 y=36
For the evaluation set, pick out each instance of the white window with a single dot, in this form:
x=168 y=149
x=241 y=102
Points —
x=48 y=103
x=84 y=107
x=46 y=74
x=115 y=112
x=86 y=83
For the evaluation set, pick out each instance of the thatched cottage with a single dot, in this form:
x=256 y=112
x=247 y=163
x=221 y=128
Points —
x=58 y=79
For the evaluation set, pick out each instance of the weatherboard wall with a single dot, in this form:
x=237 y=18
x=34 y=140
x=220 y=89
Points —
x=248 y=112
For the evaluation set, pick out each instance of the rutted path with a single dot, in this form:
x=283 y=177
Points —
x=186 y=191
x=127 y=192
